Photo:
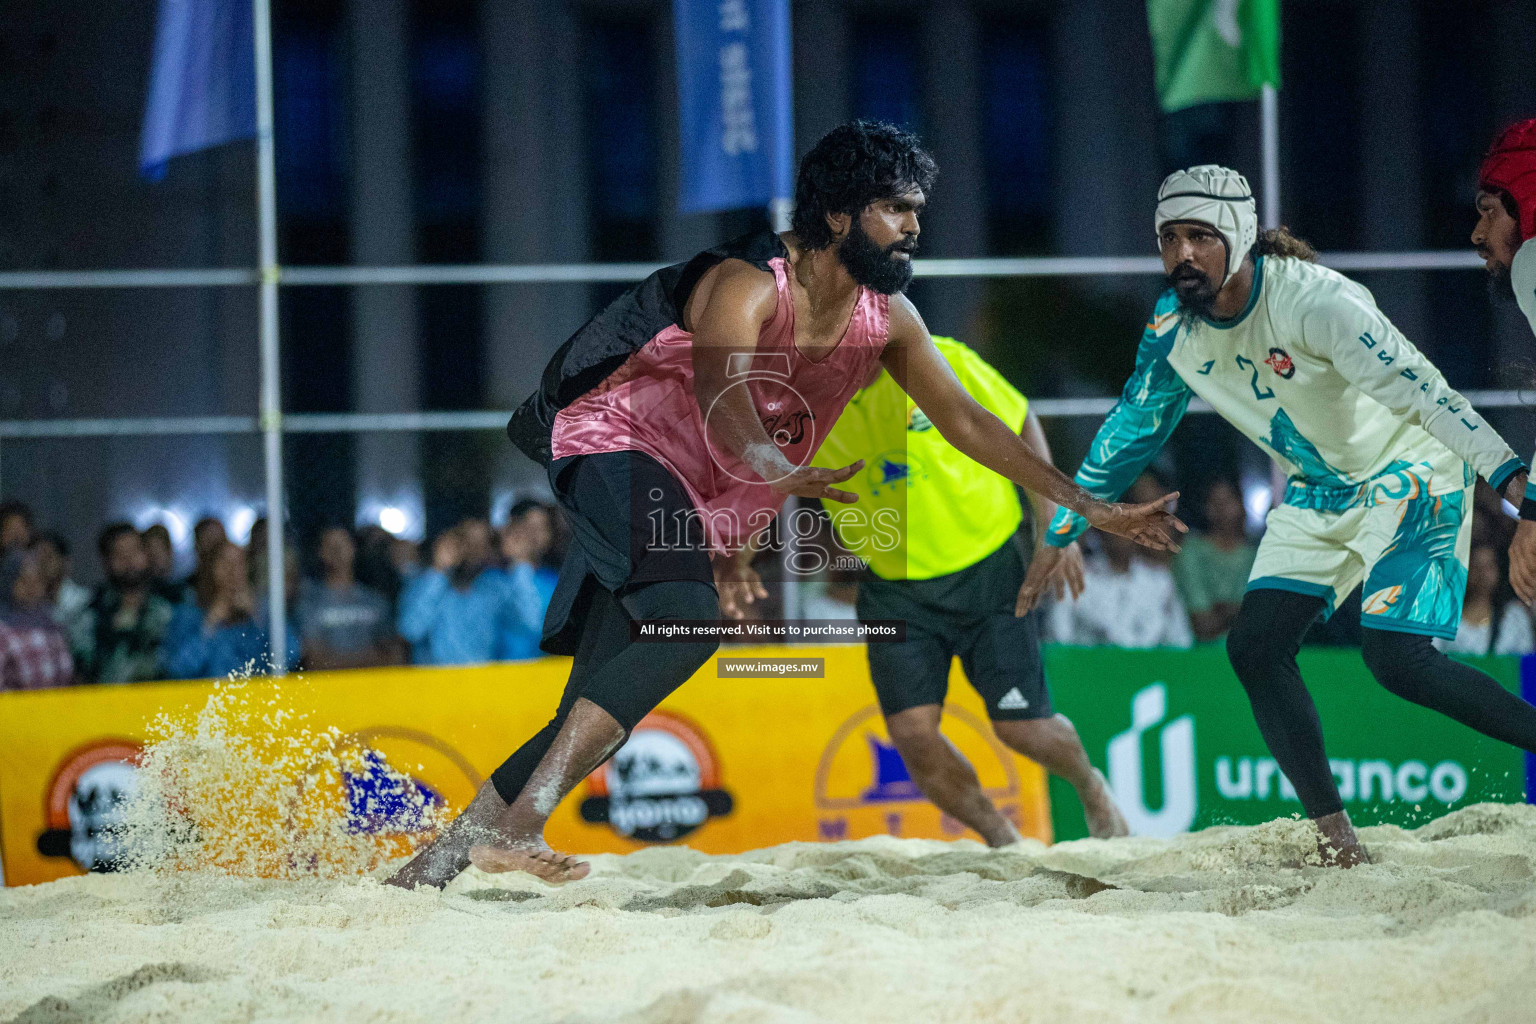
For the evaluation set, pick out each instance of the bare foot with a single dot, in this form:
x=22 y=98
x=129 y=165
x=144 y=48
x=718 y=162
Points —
x=435 y=866
x=1330 y=856
x=1338 y=844
x=1104 y=818
x=542 y=862
x=1342 y=856
x=447 y=854
x=1003 y=835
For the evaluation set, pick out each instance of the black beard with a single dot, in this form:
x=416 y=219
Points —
x=874 y=267
x=1500 y=285
x=1197 y=295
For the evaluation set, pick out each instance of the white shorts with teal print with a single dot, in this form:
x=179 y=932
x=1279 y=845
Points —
x=1412 y=553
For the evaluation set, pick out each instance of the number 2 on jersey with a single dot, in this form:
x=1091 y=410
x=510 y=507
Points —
x=1254 y=383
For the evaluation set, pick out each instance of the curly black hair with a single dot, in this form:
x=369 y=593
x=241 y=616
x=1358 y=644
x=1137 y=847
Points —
x=853 y=165
x=1280 y=242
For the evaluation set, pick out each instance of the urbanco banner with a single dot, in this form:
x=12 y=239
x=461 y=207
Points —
x=1173 y=732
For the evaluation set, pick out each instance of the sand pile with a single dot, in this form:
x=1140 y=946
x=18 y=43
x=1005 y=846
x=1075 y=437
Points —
x=1227 y=924
x=254 y=895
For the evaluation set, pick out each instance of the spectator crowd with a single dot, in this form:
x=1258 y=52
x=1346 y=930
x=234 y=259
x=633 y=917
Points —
x=365 y=601
x=363 y=598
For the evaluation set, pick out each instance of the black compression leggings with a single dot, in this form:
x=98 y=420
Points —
x=625 y=678
x=1262 y=647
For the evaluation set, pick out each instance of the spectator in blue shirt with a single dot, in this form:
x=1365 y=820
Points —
x=525 y=541
x=215 y=633
x=454 y=612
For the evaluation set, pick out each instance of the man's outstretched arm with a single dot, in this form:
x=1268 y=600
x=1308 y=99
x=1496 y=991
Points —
x=1151 y=405
x=1150 y=408
x=923 y=373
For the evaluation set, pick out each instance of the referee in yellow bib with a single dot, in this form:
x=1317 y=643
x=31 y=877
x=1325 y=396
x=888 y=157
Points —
x=937 y=532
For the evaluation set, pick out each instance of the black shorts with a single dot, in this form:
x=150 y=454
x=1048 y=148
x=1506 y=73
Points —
x=967 y=613
x=615 y=503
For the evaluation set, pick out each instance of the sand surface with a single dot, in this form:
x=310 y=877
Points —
x=1221 y=925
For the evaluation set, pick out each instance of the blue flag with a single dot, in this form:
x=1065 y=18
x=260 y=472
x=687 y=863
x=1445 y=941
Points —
x=202 y=85
x=733 y=81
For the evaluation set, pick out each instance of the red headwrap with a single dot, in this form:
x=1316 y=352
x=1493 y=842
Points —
x=1510 y=166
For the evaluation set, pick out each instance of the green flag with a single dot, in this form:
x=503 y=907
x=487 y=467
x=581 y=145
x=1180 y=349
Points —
x=1213 y=50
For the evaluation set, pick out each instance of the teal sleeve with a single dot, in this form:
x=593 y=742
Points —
x=1137 y=427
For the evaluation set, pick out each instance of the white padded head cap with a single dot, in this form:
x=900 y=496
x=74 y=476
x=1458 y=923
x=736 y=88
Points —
x=1213 y=195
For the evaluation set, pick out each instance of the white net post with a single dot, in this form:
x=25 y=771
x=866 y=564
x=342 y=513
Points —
x=1269 y=131
x=271 y=393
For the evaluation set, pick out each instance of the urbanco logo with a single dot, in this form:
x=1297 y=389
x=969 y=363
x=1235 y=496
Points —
x=1176 y=749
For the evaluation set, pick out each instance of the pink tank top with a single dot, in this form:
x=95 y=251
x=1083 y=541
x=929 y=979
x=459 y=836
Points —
x=648 y=405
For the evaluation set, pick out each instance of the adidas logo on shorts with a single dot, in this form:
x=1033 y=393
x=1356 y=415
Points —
x=1013 y=700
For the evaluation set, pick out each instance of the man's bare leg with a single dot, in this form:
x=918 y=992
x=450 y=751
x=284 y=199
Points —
x=496 y=831
x=589 y=737
x=1053 y=744
x=1339 y=845
x=944 y=775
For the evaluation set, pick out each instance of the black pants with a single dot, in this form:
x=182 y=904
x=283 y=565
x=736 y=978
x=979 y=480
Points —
x=967 y=613
x=625 y=678
x=1262 y=647
x=618 y=571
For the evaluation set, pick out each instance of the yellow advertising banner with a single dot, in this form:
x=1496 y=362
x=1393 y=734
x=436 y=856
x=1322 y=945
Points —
x=724 y=765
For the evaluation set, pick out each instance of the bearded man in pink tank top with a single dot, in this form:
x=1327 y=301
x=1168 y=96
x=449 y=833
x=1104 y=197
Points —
x=676 y=422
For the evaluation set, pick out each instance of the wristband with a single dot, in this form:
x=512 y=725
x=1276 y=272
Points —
x=1505 y=473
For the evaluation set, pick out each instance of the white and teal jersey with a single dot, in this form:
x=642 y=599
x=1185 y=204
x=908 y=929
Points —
x=1319 y=378
x=1522 y=275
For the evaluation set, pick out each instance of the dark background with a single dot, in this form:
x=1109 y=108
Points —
x=528 y=131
